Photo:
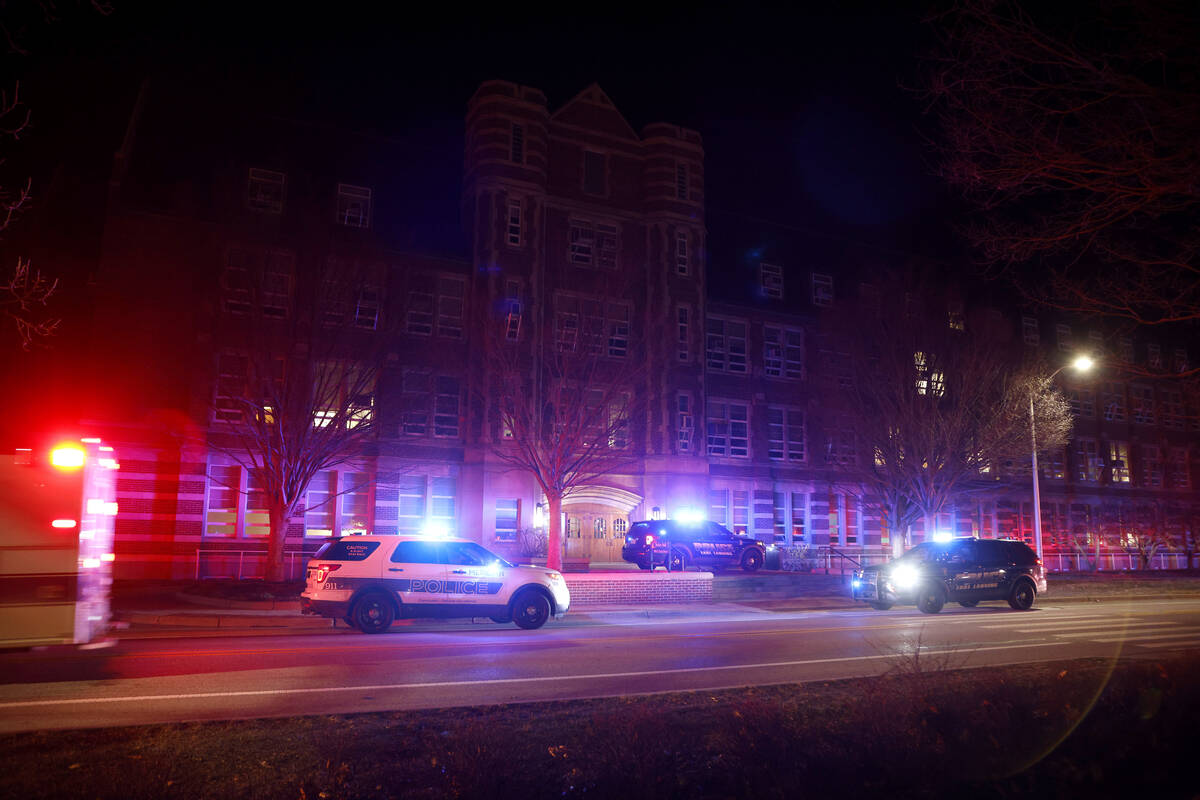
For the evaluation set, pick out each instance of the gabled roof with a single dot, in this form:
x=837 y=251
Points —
x=592 y=108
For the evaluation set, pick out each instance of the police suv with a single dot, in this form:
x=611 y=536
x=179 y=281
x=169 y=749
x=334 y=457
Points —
x=678 y=544
x=966 y=571
x=370 y=581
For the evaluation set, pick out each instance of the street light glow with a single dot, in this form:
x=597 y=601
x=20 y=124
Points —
x=1083 y=363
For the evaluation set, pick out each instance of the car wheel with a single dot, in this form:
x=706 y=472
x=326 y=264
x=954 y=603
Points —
x=645 y=565
x=530 y=610
x=349 y=620
x=677 y=560
x=1022 y=595
x=880 y=606
x=930 y=599
x=968 y=603
x=373 y=613
x=752 y=560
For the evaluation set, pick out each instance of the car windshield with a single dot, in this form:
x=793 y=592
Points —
x=926 y=551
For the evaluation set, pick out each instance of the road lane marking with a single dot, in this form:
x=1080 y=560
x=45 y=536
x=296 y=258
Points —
x=1106 y=628
x=501 y=681
x=1180 y=645
x=1172 y=635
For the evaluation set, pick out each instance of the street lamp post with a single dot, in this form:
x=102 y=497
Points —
x=1080 y=364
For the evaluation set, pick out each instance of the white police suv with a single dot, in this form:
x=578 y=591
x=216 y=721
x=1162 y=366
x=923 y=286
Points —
x=370 y=581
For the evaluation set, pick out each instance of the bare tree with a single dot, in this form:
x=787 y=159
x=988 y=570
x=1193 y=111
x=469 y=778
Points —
x=298 y=396
x=25 y=293
x=568 y=396
x=931 y=402
x=1076 y=138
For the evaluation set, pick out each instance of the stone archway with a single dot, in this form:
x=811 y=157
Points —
x=597 y=518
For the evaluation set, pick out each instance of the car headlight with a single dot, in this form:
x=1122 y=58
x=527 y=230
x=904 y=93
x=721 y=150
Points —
x=904 y=577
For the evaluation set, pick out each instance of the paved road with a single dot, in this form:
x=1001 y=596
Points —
x=435 y=666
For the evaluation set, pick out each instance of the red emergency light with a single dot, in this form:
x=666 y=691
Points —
x=68 y=456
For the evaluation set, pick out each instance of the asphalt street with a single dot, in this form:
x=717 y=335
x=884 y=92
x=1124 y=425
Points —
x=434 y=666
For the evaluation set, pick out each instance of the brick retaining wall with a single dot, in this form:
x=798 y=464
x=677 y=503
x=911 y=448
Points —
x=626 y=588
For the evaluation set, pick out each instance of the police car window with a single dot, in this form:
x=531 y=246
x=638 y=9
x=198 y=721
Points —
x=344 y=550
x=418 y=553
x=717 y=530
x=465 y=553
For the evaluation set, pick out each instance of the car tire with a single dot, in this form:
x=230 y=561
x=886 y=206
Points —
x=930 y=599
x=880 y=606
x=373 y=612
x=968 y=603
x=752 y=560
x=677 y=560
x=646 y=565
x=349 y=620
x=1022 y=596
x=530 y=610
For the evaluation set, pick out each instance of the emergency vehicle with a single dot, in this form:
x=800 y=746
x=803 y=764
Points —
x=57 y=509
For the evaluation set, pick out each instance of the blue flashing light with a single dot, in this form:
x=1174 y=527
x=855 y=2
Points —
x=689 y=516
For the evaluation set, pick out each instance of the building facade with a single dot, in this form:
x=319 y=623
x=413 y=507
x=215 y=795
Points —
x=574 y=229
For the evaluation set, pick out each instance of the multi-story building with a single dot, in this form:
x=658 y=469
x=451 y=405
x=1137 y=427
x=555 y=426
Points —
x=575 y=229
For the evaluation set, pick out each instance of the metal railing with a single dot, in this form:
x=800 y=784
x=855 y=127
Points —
x=1112 y=561
x=245 y=564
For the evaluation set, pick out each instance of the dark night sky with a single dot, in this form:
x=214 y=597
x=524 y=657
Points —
x=804 y=117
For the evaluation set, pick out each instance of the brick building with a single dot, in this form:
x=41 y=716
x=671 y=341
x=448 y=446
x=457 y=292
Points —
x=569 y=224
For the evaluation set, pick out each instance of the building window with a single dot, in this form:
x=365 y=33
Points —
x=353 y=206
x=264 y=190
x=582 y=242
x=785 y=434
x=1172 y=408
x=718 y=505
x=230 y=397
x=683 y=338
x=1087 y=460
x=681 y=181
x=741 y=511
x=1083 y=402
x=725 y=345
x=841 y=447
x=343 y=395
x=514 y=223
x=410 y=508
x=1029 y=331
x=355 y=502
x=445 y=406
x=770 y=280
x=728 y=429
x=512 y=308
x=606 y=246
x=783 y=352
x=618 y=330
x=822 y=289
x=224 y=491
x=1112 y=395
x=1141 y=401
x=318 y=505
x=956 y=318
x=508 y=518
x=681 y=252
x=1152 y=466
x=420 y=313
x=1125 y=345
x=516 y=151
x=1096 y=342
x=1063 y=334
x=1180 y=360
x=1154 y=356
x=1180 y=479
x=594 y=178
x=366 y=311
x=686 y=423
x=450 y=307
x=442 y=492
x=929 y=381
x=262 y=276
x=1052 y=465
x=1118 y=462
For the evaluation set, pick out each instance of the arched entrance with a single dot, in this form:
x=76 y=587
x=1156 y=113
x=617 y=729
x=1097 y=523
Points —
x=597 y=519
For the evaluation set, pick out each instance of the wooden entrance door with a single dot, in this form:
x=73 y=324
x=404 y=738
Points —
x=595 y=532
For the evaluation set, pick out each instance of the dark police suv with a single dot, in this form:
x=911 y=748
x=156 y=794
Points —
x=965 y=571
x=678 y=544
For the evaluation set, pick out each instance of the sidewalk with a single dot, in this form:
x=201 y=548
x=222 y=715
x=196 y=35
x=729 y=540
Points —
x=168 y=611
